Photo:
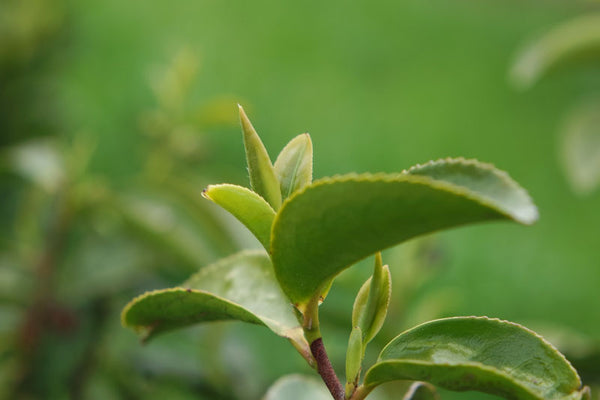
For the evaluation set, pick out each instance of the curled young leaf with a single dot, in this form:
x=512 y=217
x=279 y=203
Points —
x=293 y=166
x=479 y=353
x=240 y=287
x=247 y=206
x=262 y=175
x=335 y=222
x=354 y=358
x=372 y=301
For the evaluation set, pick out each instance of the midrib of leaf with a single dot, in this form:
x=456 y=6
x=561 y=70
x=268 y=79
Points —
x=296 y=168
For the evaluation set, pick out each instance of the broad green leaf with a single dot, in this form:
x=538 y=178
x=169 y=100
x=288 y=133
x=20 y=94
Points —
x=262 y=175
x=293 y=166
x=240 y=287
x=421 y=391
x=335 y=222
x=581 y=147
x=298 y=387
x=575 y=39
x=247 y=206
x=370 y=306
x=478 y=353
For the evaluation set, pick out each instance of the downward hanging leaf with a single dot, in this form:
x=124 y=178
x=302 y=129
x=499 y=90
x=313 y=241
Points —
x=247 y=206
x=240 y=287
x=479 y=353
x=335 y=222
x=581 y=148
x=293 y=166
x=262 y=175
x=575 y=39
x=298 y=387
x=421 y=391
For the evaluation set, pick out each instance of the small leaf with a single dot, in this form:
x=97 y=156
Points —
x=354 y=358
x=478 y=353
x=372 y=301
x=262 y=175
x=240 y=287
x=247 y=206
x=572 y=40
x=335 y=222
x=421 y=391
x=581 y=147
x=293 y=166
x=297 y=387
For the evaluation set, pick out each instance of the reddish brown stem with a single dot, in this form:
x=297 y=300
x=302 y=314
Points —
x=325 y=369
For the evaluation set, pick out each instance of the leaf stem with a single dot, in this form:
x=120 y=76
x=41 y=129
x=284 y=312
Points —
x=312 y=333
x=326 y=371
x=361 y=392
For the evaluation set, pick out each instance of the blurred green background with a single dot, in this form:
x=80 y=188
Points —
x=114 y=115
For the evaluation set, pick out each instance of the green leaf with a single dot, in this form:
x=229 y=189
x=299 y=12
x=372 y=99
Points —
x=354 y=358
x=247 y=206
x=573 y=40
x=335 y=222
x=298 y=387
x=421 y=391
x=478 y=353
x=581 y=147
x=240 y=287
x=372 y=301
x=293 y=166
x=262 y=175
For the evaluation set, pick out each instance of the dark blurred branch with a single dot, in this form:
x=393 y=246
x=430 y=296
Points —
x=43 y=313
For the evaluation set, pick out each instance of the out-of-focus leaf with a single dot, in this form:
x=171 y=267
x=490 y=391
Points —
x=240 y=287
x=335 y=222
x=247 y=206
x=262 y=174
x=580 y=148
x=297 y=387
x=370 y=308
x=421 y=391
x=40 y=161
x=293 y=166
x=479 y=353
x=573 y=39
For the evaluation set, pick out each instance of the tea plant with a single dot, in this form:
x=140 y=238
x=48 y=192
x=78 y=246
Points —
x=312 y=231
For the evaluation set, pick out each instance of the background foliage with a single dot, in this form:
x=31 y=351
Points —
x=131 y=107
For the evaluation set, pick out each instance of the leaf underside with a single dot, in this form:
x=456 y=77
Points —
x=240 y=287
x=421 y=391
x=335 y=222
x=247 y=206
x=478 y=353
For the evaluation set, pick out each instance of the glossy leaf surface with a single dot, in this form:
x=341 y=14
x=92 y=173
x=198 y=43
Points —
x=262 y=175
x=293 y=166
x=335 y=222
x=240 y=287
x=247 y=206
x=574 y=39
x=298 y=387
x=478 y=353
